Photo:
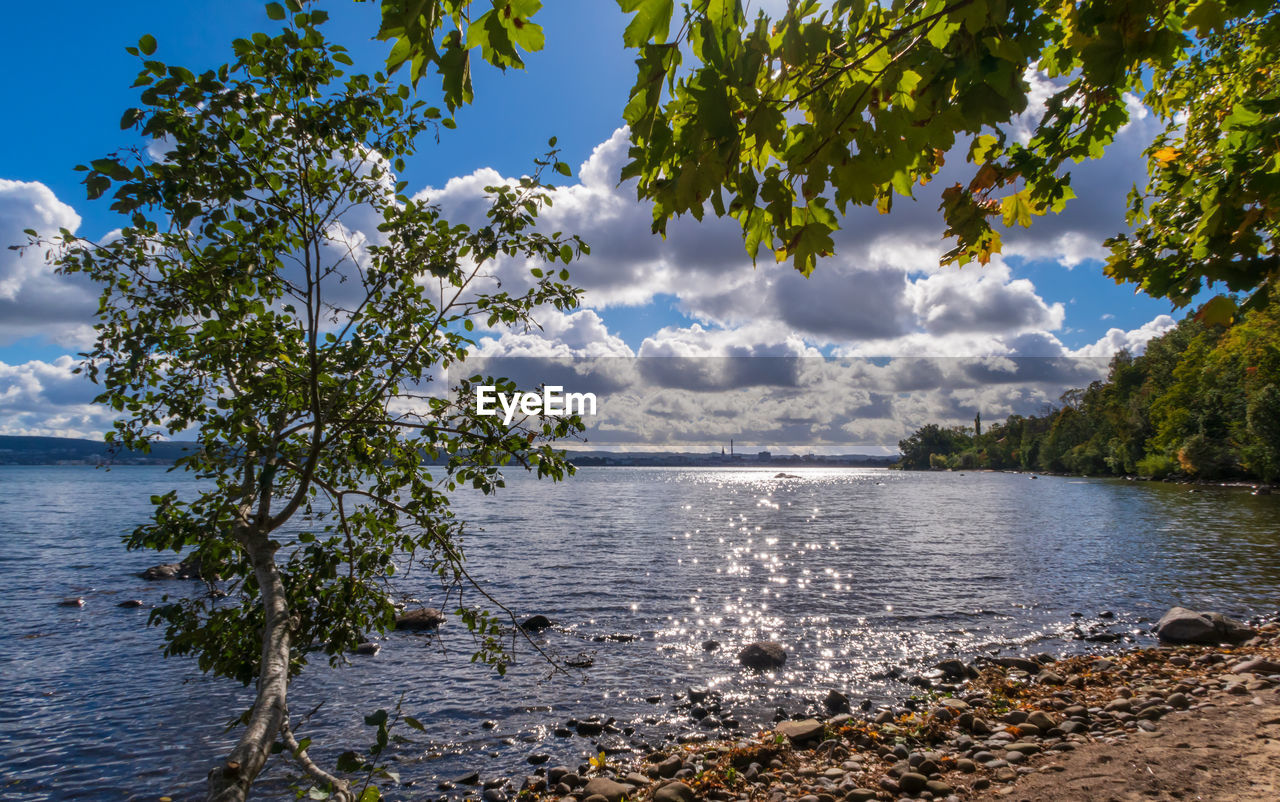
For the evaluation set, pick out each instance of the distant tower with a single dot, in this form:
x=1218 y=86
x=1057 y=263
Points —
x=722 y=451
x=977 y=424
x=731 y=447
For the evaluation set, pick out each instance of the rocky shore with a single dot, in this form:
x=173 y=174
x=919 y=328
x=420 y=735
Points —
x=1199 y=719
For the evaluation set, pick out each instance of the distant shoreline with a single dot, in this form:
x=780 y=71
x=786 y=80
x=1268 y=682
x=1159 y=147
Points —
x=32 y=451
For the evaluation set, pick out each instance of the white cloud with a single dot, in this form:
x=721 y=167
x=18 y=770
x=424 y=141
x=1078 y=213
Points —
x=47 y=399
x=34 y=301
x=1134 y=341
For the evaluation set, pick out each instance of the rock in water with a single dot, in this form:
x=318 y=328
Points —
x=1181 y=625
x=421 y=619
x=836 y=702
x=763 y=655
x=76 y=602
x=187 y=569
x=367 y=648
x=536 y=623
x=130 y=603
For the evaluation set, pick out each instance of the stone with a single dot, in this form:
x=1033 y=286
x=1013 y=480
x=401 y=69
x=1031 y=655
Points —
x=130 y=603
x=860 y=795
x=494 y=795
x=187 y=569
x=1019 y=664
x=1042 y=720
x=73 y=602
x=710 y=645
x=673 y=792
x=609 y=789
x=938 y=788
x=670 y=766
x=1180 y=625
x=763 y=655
x=535 y=623
x=367 y=648
x=589 y=729
x=836 y=702
x=538 y=758
x=799 y=732
x=533 y=783
x=912 y=783
x=421 y=619
x=1256 y=665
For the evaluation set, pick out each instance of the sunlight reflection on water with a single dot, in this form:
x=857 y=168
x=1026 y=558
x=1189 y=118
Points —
x=857 y=572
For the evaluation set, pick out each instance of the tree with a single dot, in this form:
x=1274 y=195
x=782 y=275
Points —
x=786 y=124
x=241 y=306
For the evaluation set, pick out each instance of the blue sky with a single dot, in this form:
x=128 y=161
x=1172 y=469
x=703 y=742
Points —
x=67 y=82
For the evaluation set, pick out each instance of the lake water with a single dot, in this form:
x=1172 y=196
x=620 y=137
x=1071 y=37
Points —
x=855 y=571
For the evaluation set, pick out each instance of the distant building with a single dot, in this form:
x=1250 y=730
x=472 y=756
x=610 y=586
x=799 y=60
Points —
x=764 y=456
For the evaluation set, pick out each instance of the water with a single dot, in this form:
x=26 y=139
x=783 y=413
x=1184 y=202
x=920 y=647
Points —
x=855 y=571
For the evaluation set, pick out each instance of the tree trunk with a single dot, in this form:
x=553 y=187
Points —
x=230 y=782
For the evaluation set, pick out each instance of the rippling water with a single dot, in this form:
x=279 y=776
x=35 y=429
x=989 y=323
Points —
x=855 y=571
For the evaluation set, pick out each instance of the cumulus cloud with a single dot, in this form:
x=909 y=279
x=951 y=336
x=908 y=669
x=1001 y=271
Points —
x=34 y=301
x=48 y=399
x=1134 y=341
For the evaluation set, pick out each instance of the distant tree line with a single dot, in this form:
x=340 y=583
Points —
x=1202 y=402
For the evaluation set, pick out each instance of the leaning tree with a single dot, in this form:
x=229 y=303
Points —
x=277 y=295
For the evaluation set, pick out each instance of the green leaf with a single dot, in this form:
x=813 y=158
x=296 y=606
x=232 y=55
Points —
x=147 y=44
x=652 y=21
x=1017 y=209
x=275 y=11
x=1217 y=311
x=563 y=169
x=414 y=723
x=370 y=794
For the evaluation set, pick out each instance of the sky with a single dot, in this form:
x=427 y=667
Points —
x=694 y=295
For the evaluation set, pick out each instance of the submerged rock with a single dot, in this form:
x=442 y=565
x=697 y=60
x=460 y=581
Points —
x=1181 y=625
x=367 y=648
x=763 y=655
x=130 y=603
x=423 y=618
x=74 y=602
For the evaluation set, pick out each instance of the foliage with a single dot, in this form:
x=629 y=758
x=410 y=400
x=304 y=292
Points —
x=240 y=307
x=786 y=124
x=1201 y=402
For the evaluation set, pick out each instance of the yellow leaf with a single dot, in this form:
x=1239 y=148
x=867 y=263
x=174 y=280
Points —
x=1165 y=155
